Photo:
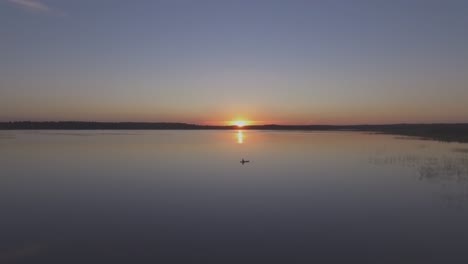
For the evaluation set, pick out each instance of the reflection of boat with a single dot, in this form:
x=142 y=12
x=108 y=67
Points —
x=244 y=161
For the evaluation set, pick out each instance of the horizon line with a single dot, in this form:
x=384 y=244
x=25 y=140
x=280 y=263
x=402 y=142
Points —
x=224 y=125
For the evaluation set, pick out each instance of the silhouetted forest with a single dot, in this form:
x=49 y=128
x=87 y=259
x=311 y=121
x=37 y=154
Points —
x=76 y=125
x=442 y=132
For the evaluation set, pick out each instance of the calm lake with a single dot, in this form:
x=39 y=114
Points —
x=184 y=197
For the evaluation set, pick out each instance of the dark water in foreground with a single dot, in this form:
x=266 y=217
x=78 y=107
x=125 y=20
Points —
x=183 y=197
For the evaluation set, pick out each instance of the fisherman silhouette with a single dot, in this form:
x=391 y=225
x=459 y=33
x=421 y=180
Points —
x=244 y=161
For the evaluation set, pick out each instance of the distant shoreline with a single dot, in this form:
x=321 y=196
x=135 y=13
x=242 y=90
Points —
x=441 y=132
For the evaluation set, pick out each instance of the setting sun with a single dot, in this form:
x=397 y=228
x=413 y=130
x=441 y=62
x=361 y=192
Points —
x=240 y=123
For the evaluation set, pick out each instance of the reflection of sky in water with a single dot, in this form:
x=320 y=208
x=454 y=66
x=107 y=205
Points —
x=162 y=196
x=4 y=135
x=22 y=253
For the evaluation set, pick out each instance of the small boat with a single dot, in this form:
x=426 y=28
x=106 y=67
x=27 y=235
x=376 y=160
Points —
x=244 y=161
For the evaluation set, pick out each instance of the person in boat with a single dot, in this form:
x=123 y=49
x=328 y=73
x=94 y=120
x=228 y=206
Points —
x=244 y=161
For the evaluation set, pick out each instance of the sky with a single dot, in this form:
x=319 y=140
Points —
x=208 y=62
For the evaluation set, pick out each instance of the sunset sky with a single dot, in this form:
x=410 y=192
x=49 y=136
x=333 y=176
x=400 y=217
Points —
x=207 y=62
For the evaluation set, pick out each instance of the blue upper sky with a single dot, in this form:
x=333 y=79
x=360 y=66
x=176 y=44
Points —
x=210 y=61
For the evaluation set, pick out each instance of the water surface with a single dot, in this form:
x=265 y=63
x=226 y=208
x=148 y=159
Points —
x=184 y=197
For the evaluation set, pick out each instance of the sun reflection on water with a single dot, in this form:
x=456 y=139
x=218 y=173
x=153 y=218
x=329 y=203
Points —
x=240 y=137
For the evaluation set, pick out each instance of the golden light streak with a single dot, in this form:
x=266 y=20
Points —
x=240 y=137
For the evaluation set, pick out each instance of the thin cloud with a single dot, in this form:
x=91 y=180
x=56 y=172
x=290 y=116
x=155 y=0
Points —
x=36 y=6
